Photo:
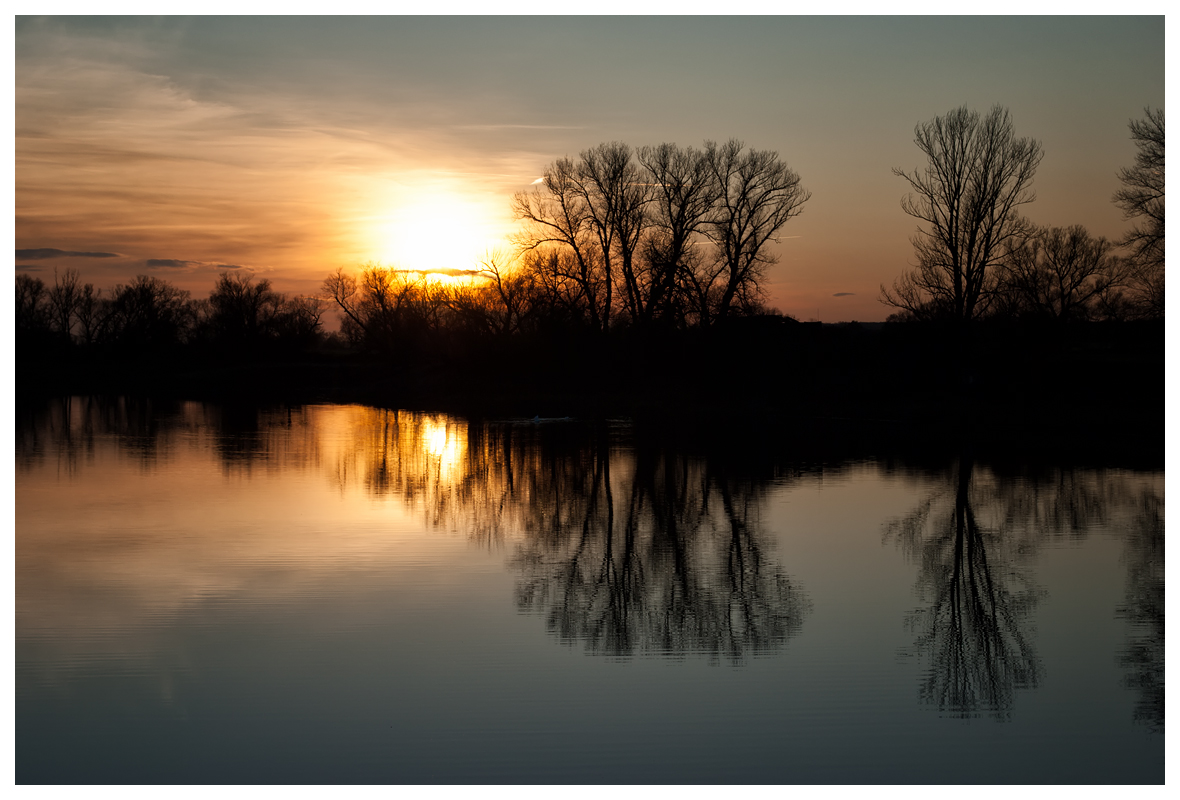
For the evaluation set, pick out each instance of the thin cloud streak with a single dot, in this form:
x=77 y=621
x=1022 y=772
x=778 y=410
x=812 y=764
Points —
x=40 y=253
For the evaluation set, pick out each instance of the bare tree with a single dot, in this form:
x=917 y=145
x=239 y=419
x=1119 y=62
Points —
x=1060 y=273
x=966 y=202
x=1142 y=199
x=616 y=196
x=512 y=290
x=379 y=307
x=556 y=215
x=31 y=305
x=150 y=313
x=757 y=195
x=63 y=301
x=242 y=310
x=94 y=315
x=684 y=193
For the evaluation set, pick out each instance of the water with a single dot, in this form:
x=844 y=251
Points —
x=354 y=595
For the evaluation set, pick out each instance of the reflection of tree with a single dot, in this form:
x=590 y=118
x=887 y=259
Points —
x=1144 y=609
x=655 y=553
x=973 y=631
x=66 y=429
x=626 y=548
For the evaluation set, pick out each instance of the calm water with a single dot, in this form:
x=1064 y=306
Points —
x=348 y=594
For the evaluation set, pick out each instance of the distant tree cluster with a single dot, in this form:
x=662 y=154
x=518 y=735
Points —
x=151 y=316
x=978 y=257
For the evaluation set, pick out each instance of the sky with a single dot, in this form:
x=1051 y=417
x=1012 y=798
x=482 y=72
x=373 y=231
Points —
x=289 y=147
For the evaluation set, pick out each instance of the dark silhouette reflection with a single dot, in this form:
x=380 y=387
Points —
x=1143 y=658
x=653 y=552
x=67 y=429
x=626 y=548
x=974 y=631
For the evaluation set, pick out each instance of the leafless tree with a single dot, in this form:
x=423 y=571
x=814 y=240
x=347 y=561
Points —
x=1142 y=199
x=757 y=195
x=380 y=304
x=556 y=215
x=684 y=193
x=94 y=315
x=242 y=309
x=616 y=196
x=1060 y=273
x=63 y=301
x=510 y=292
x=966 y=201
x=341 y=289
x=31 y=305
x=150 y=312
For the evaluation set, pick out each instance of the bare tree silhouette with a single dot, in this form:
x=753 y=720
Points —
x=683 y=196
x=1142 y=199
x=557 y=217
x=966 y=200
x=1060 y=274
x=757 y=195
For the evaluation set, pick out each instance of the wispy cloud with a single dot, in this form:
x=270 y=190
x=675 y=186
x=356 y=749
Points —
x=41 y=253
x=180 y=263
x=844 y=294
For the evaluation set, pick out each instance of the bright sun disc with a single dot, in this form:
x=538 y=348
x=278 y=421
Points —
x=437 y=231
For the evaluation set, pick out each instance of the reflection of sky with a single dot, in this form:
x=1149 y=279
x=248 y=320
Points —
x=300 y=618
x=293 y=146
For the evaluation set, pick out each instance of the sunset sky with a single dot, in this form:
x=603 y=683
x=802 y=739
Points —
x=292 y=146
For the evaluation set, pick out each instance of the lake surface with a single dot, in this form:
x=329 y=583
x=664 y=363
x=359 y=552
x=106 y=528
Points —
x=347 y=594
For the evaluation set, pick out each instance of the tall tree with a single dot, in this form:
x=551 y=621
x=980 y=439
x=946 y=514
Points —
x=1142 y=199
x=757 y=195
x=684 y=193
x=616 y=197
x=966 y=199
x=556 y=216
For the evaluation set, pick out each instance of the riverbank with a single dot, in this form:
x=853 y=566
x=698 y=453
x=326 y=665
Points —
x=1099 y=389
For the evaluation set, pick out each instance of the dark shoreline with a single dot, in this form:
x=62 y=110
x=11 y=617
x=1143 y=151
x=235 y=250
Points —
x=1097 y=396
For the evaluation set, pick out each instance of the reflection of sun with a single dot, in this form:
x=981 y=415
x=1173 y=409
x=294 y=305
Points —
x=437 y=229
x=442 y=441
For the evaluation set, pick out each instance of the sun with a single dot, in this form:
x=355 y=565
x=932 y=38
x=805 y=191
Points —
x=438 y=229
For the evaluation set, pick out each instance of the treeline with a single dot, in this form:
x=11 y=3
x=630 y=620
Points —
x=640 y=275
x=151 y=317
